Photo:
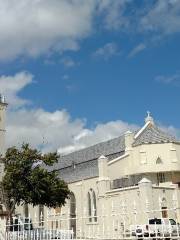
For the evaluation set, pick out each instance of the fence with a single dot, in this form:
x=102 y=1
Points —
x=119 y=222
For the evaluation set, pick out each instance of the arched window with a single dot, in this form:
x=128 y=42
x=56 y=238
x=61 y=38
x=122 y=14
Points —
x=72 y=204
x=92 y=206
x=41 y=215
x=26 y=210
x=89 y=207
x=72 y=216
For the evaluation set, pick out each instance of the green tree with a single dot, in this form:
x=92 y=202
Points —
x=27 y=179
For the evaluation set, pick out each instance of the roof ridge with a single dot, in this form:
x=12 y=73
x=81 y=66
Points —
x=153 y=134
x=141 y=130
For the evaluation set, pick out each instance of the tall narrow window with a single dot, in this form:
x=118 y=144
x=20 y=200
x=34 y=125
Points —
x=41 y=215
x=26 y=210
x=89 y=207
x=161 y=177
x=73 y=213
x=92 y=206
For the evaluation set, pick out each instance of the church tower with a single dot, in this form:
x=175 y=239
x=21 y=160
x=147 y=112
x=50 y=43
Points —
x=3 y=106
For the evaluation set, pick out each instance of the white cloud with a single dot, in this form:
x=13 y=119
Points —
x=103 y=132
x=56 y=130
x=163 y=17
x=171 y=79
x=173 y=131
x=35 y=27
x=160 y=17
x=114 y=13
x=107 y=51
x=31 y=27
x=49 y=130
x=139 y=48
x=46 y=130
x=10 y=86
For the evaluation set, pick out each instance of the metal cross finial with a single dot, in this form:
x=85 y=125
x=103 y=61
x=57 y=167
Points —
x=149 y=118
x=148 y=113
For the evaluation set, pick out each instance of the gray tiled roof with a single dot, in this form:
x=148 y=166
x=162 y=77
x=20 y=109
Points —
x=81 y=171
x=113 y=146
x=152 y=134
x=83 y=164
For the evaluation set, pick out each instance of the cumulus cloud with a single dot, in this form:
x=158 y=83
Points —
x=56 y=130
x=31 y=27
x=173 y=131
x=42 y=129
x=49 y=130
x=11 y=85
x=107 y=51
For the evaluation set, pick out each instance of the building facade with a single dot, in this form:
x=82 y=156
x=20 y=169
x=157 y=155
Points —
x=125 y=180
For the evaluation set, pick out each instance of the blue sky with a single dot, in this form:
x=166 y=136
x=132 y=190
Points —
x=90 y=68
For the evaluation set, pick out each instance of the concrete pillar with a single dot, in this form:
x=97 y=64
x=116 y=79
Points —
x=145 y=200
x=129 y=138
x=177 y=202
x=103 y=181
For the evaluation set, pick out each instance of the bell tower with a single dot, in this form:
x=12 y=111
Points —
x=3 y=106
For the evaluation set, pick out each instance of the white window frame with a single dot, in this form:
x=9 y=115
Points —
x=92 y=206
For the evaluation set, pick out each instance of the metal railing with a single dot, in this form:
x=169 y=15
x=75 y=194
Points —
x=119 y=221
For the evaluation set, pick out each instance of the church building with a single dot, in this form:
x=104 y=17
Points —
x=120 y=182
x=128 y=179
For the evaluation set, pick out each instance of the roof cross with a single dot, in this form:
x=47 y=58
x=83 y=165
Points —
x=149 y=118
x=148 y=113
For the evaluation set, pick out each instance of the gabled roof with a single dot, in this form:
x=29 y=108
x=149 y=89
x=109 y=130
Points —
x=83 y=164
x=107 y=148
x=150 y=133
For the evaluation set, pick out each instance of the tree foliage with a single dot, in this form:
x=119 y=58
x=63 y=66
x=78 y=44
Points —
x=27 y=179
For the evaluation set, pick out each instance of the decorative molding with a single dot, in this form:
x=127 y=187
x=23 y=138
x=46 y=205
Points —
x=103 y=179
x=118 y=158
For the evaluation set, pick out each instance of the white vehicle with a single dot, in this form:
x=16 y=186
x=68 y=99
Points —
x=164 y=227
